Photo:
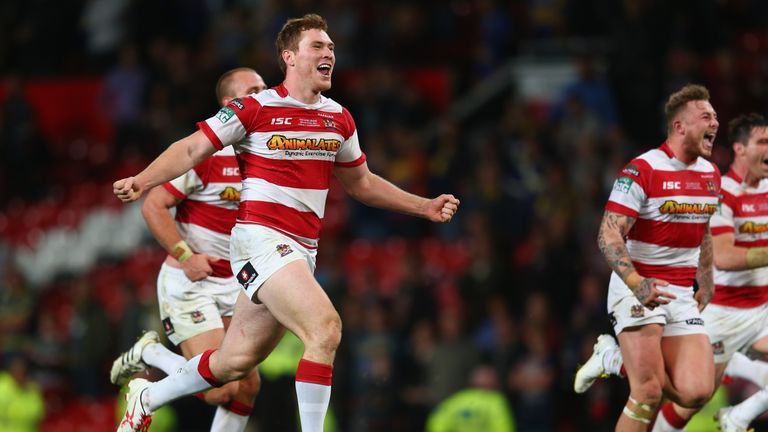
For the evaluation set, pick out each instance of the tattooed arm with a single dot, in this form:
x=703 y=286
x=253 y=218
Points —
x=610 y=240
x=704 y=272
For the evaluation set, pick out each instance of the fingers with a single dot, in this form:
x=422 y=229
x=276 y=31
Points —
x=123 y=189
x=450 y=206
x=661 y=282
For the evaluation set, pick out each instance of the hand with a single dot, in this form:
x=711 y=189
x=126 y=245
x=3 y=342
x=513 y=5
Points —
x=127 y=189
x=650 y=295
x=702 y=297
x=197 y=266
x=442 y=208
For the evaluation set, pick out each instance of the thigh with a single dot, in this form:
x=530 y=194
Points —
x=204 y=341
x=296 y=299
x=689 y=362
x=253 y=331
x=641 y=350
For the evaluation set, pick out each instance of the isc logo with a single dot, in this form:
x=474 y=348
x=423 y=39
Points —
x=671 y=185
x=282 y=120
x=231 y=171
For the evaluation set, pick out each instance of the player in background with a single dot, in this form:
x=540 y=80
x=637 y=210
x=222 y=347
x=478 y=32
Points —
x=290 y=139
x=737 y=317
x=196 y=288
x=655 y=237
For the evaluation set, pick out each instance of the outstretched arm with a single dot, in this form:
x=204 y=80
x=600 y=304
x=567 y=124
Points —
x=156 y=211
x=610 y=240
x=177 y=159
x=374 y=191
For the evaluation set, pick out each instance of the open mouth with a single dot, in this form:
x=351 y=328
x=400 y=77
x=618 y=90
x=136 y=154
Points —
x=324 y=69
x=709 y=137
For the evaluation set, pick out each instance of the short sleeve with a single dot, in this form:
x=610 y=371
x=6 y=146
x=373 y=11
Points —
x=232 y=123
x=722 y=220
x=349 y=153
x=630 y=188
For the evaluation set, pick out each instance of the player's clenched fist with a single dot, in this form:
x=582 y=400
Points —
x=127 y=190
x=442 y=208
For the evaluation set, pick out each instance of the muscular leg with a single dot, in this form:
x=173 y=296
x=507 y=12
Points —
x=296 y=299
x=742 y=414
x=644 y=364
x=689 y=362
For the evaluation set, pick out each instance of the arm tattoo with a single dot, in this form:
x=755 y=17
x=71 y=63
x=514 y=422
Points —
x=704 y=274
x=644 y=290
x=610 y=240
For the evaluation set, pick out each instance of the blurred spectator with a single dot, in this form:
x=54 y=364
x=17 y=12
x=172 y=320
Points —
x=453 y=357
x=90 y=340
x=17 y=307
x=480 y=408
x=21 y=401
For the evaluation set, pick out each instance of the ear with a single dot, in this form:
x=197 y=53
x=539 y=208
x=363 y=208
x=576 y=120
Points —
x=738 y=148
x=225 y=100
x=288 y=58
x=678 y=126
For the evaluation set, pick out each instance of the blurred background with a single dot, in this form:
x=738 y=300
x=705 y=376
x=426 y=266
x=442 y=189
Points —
x=525 y=110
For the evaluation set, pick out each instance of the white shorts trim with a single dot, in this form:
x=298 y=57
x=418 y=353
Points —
x=257 y=252
x=189 y=308
x=679 y=317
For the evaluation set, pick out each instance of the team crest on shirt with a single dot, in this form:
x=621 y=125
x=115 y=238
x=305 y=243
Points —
x=197 y=317
x=225 y=114
x=711 y=188
x=284 y=249
x=329 y=123
x=718 y=347
x=637 y=311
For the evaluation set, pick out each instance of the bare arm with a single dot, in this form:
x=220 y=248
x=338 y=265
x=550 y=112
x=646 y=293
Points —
x=374 y=191
x=177 y=159
x=610 y=240
x=156 y=212
x=729 y=257
x=704 y=272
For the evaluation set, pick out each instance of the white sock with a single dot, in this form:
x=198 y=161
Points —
x=157 y=355
x=741 y=366
x=313 y=403
x=612 y=361
x=184 y=381
x=227 y=421
x=743 y=413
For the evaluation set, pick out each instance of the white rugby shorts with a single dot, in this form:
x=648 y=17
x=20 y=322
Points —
x=733 y=329
x=189 y=308
x=679 y=317
x=257 y=252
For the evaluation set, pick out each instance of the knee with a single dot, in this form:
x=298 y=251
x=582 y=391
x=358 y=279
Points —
x=648 y=392
x=695 y=399
x=327 y=335
x=237 y=367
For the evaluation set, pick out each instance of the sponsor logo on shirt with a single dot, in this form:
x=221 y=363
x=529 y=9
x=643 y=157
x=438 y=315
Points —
x=280 y=142
x=623 y=184
x=631 y=170
x=238 y=103
x=230 y=194
x=225 y=114
x=750 y=227
x=676 y=208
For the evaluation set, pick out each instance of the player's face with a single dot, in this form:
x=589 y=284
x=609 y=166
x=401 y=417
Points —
x=315 y=59
x=246 y=82
x=756 y=152
x=700 y=122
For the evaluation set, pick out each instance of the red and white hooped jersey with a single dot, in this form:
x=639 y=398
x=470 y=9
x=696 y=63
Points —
x=286 y=150
x=743 y=212
x=210 y=193
x=672 y=203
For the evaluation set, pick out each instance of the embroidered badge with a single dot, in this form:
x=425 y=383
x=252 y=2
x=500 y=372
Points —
x=284 y=249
